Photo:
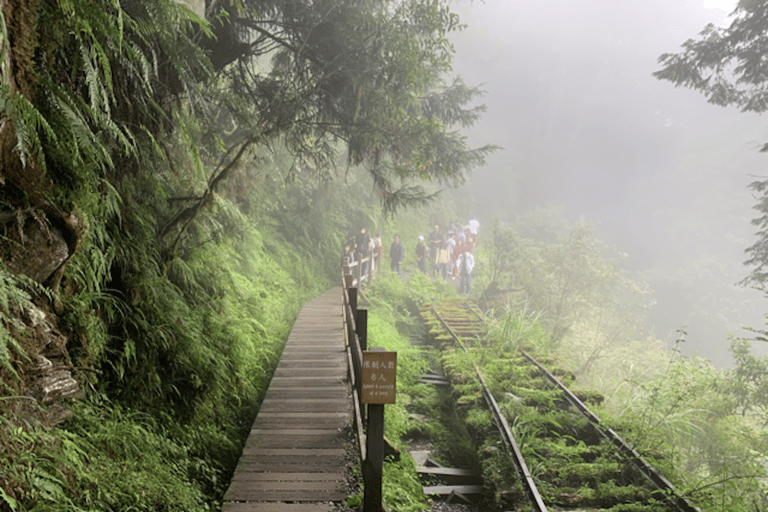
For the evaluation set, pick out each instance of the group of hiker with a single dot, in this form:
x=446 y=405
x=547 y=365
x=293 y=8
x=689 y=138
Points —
x=449 y=254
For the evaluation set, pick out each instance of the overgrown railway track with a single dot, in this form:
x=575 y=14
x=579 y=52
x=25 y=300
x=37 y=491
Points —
x=557 y=452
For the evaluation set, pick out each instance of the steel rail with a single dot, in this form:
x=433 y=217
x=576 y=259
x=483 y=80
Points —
x=647 y=470
x=513 y=449
x=531 y=491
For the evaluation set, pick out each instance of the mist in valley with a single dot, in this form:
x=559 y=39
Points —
x=587 y=130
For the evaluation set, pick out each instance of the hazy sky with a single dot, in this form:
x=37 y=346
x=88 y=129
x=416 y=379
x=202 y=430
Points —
x=662 y=174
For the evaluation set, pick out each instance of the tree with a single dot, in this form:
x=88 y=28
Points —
x=312 y=75
x=728 y=66
x=366 y=72
x=116 y=77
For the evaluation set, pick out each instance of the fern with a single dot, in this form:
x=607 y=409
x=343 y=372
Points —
x=27 y=122
x=12 y=297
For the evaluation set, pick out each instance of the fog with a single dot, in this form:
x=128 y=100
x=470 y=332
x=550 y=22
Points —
x=661 y=173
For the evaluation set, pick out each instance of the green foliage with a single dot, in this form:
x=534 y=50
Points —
x=562 y=279
x=748 y=382
x=65 y=469
x=174 y=302
x=401 y=487
x=513 y=329
x=29 y=124
x=685 y=420
x=13 y=298
x=727 y=65
x=402 y=300
x=368 y=73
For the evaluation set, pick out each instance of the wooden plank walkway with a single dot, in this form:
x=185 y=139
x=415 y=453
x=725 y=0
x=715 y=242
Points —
x=293 y=460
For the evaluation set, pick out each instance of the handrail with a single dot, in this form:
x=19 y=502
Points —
x=354 y=360
x=354 y=269
x=355 y=322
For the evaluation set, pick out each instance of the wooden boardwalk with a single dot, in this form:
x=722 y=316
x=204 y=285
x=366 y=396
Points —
x=293 y=460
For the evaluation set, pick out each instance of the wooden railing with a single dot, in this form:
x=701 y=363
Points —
x=355 y=269
x=370 y=427
x=355 y=346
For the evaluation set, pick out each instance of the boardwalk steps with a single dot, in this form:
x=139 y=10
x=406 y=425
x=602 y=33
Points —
x=293 y=460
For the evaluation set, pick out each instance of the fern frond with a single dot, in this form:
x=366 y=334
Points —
x=29 y=124
x=13 y=296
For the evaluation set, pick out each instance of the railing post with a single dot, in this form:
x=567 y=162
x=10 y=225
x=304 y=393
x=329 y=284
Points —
x=374 y=461
x=361 y=322
x=353 y=301
x=359 y=272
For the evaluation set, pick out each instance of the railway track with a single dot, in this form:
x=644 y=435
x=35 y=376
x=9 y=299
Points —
x=538 y=441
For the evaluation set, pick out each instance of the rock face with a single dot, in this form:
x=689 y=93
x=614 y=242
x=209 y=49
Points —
x=49 y=375
x=40 y=248
x=46 y=376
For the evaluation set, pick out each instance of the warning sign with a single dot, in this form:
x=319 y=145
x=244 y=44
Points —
x=379 y=377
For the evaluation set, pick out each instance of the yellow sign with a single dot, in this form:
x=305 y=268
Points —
x=379 y=377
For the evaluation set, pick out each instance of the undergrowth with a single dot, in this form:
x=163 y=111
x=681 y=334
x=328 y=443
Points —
x=174 y=354
x=392 y=320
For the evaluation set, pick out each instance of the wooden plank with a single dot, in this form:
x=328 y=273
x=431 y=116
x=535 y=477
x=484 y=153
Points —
x=445 y=490
x=305 y=405
x=288 y=466
x=303 y=344
x=313 y=382
x=333 y=360
x=322 y=423
x=278 y=507
x=254 y=452
x=335 y=392
x=245 y=489
x=304 y=350
x=304 y=373
x=314 y=452
x=304 y=439
x=289 y=477
x=451 y=476
x=426 y=470
x=293 y=453
x=302 y=416
x=311 y=396
x=308 y=492
x=298 y=353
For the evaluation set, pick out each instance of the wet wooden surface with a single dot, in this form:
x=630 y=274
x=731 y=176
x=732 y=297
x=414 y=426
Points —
x=293 y=460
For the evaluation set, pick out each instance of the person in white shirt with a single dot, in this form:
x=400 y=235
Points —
x=465 y=263
x=376 y=247
x=450 y=244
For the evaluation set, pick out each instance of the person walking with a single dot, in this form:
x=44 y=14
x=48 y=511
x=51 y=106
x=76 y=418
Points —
x=377 y=250
x=347 y=256
x=396 y=254
x=466 y=263
x=362 y=242
x=450 y=244
x=435 y=241
x=421 y=255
